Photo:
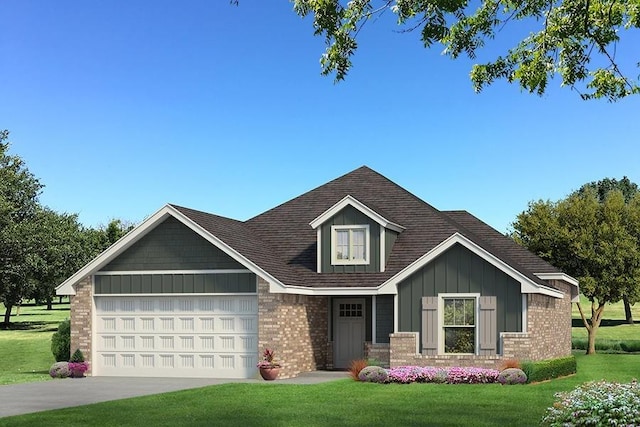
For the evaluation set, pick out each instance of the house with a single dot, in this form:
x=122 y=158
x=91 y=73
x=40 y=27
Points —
x=356 y=268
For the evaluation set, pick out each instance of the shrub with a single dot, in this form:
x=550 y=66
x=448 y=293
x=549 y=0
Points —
x=509 y=363
x=549 y=369
x=608 y=346
x=78 y=369
x=77 y=356
x=61 y=342
x=356 y=366
x=630 y=346
x=596 y=403
x=373 y=374
x=512 y=376
x=60 y=370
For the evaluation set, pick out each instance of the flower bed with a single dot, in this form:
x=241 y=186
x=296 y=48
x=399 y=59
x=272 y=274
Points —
x=456 y=375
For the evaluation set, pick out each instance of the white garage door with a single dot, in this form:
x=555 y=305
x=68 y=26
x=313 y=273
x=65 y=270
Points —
x=176 y=336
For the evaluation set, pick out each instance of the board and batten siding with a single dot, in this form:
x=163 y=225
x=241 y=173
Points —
x=172 y=246
x=350 y=216
x=384 y=318
x=459 y=271
x=220 y=283
x=390 y=237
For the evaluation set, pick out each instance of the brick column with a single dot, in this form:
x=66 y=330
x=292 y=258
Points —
x=295 y=327
x=81 y=316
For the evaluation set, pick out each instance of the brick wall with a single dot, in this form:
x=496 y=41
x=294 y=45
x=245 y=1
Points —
x=81 y=315
x=295 y=327
x=549 y=324
x=377 y=352
x=403 y=353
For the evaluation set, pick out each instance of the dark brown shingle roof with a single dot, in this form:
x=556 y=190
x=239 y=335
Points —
x=281 y=241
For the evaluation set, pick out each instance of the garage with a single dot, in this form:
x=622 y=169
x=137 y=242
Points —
x=176 y=335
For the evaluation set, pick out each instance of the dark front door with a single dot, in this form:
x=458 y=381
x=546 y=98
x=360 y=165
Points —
x=348 y=331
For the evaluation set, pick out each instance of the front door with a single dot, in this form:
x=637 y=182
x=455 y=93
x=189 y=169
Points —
x=348 y=331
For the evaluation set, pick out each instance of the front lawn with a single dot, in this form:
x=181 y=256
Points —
x=342 y=402
x=25 y=348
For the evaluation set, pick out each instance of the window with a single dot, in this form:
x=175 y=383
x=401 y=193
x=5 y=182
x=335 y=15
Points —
x=350 y=244
x=350 y=310
x=459 y=324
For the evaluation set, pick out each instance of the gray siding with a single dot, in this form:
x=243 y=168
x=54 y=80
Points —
x=175 y=283
x=390 y=237
x=350 y=216
x=460 y=271
x=384 y=318
x=172 y=246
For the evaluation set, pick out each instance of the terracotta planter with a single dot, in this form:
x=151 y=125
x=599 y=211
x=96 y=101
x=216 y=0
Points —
x=269 y=374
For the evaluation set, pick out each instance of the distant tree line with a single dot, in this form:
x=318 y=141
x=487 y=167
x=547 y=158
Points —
x=39 y=248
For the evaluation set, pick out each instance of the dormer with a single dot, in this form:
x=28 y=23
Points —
x=353 y=238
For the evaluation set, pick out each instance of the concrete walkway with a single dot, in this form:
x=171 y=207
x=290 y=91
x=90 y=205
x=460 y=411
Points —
x=18 y=399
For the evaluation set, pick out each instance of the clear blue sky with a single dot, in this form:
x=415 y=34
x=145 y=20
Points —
x=121 y=107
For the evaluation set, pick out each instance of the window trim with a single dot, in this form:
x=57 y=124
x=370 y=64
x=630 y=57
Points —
x=334 y=243
x=441 y=326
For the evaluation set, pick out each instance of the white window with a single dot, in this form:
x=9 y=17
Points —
x=349 y=244
x=459 y=320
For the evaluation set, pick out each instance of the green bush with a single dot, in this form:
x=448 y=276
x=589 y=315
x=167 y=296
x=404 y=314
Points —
x=61 y=342
x=77 y=356
x=608 y=346
x=548 y=369
x=596 y=404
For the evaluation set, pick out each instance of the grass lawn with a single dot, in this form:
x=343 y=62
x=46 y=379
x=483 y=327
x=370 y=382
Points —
x=343 y=402
x=25 y=348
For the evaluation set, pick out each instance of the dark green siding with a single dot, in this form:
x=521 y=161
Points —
x=384 y=318
x=458 y=270
x=367 y=319
x=172 y=246
x=175 y=283
x=390 y=237
x=351 y=216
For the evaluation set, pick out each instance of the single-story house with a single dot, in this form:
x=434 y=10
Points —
x=356 y=268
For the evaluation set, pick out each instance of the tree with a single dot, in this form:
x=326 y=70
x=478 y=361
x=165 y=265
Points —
x=19 y=191
x=63 y=248
x=575 y=39
x=592 y=241
x=628 y=190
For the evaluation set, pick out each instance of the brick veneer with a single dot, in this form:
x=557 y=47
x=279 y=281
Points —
x=378 y=352
x=548 y=336
x=296 y=327
x=81 y=315
x=549 y=323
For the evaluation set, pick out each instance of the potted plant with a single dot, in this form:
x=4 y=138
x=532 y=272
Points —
x=269 y=369
x=77 y=365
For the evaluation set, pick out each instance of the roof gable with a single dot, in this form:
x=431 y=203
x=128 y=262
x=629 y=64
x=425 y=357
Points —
x=135 y=235
x=349 y=200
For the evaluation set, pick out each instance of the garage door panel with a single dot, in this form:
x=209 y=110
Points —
x=169 y=336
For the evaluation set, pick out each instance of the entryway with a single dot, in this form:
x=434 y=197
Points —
x=348 y=331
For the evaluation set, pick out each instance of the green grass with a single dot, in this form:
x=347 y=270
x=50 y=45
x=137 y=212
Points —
x=25 y=348
x=343 y=402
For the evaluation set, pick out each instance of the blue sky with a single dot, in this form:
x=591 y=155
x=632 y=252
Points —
x=121 y=107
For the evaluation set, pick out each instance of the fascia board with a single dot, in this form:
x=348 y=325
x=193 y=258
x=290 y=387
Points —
x=66 y=287
x=526 y=284
x=352 y=201
x=250 y=265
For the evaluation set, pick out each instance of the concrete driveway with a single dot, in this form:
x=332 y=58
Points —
x=18 y=399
